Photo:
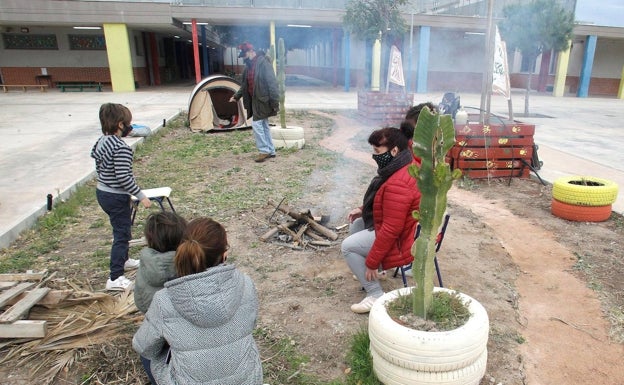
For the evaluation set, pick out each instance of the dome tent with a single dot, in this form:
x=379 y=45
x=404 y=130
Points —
x=210 y=108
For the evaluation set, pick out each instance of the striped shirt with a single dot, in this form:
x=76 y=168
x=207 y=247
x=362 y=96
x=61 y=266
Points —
x=113 y=164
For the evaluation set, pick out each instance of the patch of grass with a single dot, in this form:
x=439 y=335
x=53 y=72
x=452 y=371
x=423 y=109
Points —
x=360 y=361
x=447 y=311
x=616 y=317
x=101 y=258
x=581 y=263
x=96 y=224
x=467 y=183
x=281 y=361
x=45 y=236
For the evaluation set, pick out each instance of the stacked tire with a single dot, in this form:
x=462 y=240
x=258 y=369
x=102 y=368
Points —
x=289 y=137
x=402 y=355
x=583 y=198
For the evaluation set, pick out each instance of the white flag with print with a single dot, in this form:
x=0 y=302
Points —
x=396 y=67
x=500 y=78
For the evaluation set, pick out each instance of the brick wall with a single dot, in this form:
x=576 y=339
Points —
x=597 y=86
x=26 y=75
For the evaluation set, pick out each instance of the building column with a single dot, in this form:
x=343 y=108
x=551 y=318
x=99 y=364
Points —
x=119 y=57
x=205 y=59
x=154 y=59
x=586 y=69
x=423 y=59
x=376 y=65
x=196 y=51
x=274 y=45
x=621 y=90
x=563 y=58
x=347 y=60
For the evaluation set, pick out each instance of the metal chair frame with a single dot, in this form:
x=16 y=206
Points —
x=405 y=268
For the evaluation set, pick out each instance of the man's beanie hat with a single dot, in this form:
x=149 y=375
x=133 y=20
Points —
x=244 y=48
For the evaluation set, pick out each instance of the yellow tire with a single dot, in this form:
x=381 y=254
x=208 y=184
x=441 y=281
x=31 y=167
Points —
x=585 y=191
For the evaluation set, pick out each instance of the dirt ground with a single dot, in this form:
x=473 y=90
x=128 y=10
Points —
x=553 y=289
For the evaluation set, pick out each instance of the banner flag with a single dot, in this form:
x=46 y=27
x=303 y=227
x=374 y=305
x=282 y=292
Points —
x=395 y=68
x=500 y=78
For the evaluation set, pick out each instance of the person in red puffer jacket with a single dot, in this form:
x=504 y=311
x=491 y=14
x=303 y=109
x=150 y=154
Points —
x=381 y=231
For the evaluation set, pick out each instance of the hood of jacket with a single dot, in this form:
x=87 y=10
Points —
x=210 y=298
x=156 y=267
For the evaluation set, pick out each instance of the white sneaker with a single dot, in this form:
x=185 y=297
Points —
x=120 y=284
x=132 y=264
x=364 y=306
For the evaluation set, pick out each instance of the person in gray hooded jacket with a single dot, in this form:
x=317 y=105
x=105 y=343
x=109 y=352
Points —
x=198 y=329
x=163 y=233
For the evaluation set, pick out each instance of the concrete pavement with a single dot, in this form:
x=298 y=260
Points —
x=47 y=137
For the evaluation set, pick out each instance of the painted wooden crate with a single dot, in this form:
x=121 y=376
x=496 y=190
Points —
x=493 y=150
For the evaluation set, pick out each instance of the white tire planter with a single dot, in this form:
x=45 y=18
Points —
x=390 y=374
x=429 y=352
x=289 y=137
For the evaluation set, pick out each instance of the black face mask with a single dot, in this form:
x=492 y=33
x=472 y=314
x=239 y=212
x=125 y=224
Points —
x=383 y=159
x=126 y=130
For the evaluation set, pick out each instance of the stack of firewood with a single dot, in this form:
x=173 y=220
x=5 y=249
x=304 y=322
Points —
x=298 y=230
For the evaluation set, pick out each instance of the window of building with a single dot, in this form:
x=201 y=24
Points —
x=527 y=65
x=138 y=46
x=552 y=68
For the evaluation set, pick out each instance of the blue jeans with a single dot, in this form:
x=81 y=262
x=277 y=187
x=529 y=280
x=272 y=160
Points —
x=262 y=133
x=119 y=211
x=354 y=249
x=147 y=365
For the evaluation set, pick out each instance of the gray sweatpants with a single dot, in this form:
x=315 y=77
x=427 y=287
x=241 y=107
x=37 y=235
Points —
x=354 y=249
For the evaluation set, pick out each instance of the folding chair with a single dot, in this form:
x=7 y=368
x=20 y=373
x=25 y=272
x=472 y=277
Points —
x=157 y=195
x=439 y=240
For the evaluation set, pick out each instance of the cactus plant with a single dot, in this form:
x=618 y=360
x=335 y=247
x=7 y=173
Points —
x=433 y=138
x=281 y=80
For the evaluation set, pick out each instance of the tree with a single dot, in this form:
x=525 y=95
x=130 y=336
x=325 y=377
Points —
x=536 y=27
x=374 y=19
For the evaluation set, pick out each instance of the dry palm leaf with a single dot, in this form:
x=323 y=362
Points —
x=84 y=320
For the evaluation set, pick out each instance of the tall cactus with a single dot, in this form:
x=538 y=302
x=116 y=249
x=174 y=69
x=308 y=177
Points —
x=433 y=138
x=281 y=80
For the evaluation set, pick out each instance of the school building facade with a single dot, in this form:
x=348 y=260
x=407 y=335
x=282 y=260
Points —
x=130 y=44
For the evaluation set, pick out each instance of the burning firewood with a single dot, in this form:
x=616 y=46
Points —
x=299 y=228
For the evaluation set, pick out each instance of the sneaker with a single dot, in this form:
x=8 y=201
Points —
x=364 y=306
x=120 y=284
x=132 y=264
x=262 y=157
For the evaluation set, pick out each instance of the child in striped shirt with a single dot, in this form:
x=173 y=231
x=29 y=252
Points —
x=115 y=184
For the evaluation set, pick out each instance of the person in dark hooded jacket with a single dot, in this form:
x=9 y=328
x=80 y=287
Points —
x=198 y=329
x=260 y=97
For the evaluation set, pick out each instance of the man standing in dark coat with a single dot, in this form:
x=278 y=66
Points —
x=260 y=97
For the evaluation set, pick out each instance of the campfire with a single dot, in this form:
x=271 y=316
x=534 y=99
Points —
x=299 y=230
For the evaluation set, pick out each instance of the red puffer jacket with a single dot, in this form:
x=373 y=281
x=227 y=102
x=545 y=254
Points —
x=394 y=225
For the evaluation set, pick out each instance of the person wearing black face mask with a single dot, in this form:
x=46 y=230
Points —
x=381 y=231
x=115 y=184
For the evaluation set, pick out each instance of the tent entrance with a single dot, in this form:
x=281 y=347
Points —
x=210 y=108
